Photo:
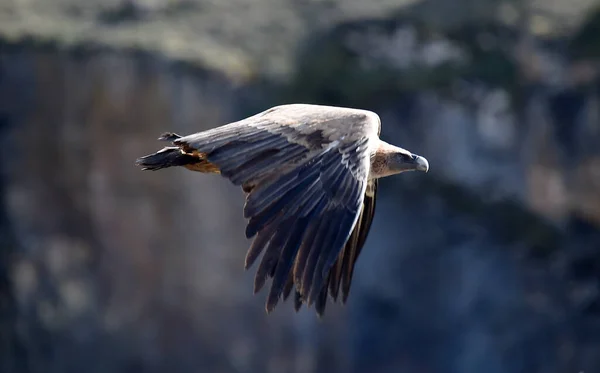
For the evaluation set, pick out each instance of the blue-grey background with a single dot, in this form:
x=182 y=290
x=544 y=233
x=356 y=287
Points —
x=490 y=263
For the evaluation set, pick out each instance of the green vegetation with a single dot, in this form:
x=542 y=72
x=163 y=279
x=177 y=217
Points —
x=586 y=41
x=338 y=74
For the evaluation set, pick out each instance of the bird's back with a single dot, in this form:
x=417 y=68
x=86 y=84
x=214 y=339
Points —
x=332 y=120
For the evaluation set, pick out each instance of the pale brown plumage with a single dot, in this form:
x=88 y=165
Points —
x=310 y=176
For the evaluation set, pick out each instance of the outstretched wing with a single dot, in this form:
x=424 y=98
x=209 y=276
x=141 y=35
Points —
x=305 y=172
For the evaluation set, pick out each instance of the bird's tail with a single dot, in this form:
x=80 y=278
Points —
x=173 y=156
x=166 y=157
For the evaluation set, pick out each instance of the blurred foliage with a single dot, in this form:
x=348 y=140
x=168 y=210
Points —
x=491 y=61
x=510 y=221
x=335 y=74
x=586 y=41
x=328 y=71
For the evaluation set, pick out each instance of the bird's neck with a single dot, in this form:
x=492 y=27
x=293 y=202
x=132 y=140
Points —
x=382 y=158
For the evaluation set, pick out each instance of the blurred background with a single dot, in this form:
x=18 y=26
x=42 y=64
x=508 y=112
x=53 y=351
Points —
x=489 y=263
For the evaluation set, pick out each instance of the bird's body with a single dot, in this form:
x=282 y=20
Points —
x=310 y=175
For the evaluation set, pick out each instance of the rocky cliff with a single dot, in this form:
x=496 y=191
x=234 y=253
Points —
x=490 y=262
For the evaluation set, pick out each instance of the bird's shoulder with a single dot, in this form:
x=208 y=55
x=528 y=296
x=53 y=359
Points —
x=319 y=125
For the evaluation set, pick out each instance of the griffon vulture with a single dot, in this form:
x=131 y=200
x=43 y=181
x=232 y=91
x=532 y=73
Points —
x=310 y=176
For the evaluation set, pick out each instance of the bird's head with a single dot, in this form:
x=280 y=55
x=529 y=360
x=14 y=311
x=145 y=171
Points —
x=402 y=160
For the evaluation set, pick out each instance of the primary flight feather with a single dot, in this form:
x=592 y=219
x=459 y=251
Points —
x=310 y=176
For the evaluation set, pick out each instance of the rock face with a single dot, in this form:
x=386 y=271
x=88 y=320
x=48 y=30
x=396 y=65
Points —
x=490 y=262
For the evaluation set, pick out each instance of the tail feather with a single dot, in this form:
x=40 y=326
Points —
x=168 y=136
x=167 y=157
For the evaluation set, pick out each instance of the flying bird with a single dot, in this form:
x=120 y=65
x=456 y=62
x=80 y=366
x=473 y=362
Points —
x=310 y=176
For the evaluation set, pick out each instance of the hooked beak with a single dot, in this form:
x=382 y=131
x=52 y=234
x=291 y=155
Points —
x=421 y=163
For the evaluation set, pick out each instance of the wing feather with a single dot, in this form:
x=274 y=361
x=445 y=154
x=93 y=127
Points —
x=289 y=286
x=344 y=266
x=304 y=252
x=288 y=254
x=330 y=247
x=352 y=245
x=321 y=238
x=258 y=167
x=259 y=243
x=321 y=301
x=297 y=301
x=271 y=256
x=294 y=182
x=284 y=265
x=237 y=152
x=282 y=205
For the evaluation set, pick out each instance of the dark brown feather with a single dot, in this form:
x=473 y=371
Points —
x=336 y=276
x=367 y=214
x=344 y=264
x=297 y=301
x=321 y=236
x=285 y=262
x=271 y=256
x=258 y=245
x=338 y=234
x=304 y=252
x=289 y=286
x=321 y=301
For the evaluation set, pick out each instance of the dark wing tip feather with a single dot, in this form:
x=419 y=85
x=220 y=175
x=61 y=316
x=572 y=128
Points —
x=281 y=275
x=297 y=301
x=361 y=233
x=258 y=245
x=288 y=287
